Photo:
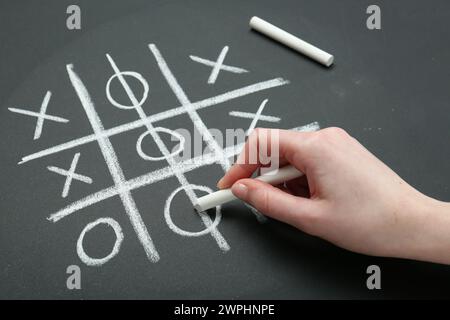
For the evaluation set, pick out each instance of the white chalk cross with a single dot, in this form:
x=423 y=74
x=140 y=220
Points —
x=255 y=116
x=217 y=65
x=41 y=115
x=123 y=187
x=70 y=175
x=251 y=115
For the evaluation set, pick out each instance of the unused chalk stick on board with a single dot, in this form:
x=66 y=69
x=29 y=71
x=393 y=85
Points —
x=222 y=196
x=291 y=41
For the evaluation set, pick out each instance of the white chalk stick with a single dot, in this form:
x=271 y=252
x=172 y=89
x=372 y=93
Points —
x=291 y=41
x=222 y=196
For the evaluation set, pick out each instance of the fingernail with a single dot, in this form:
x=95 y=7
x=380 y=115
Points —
x=240 y=190
x=220 y=183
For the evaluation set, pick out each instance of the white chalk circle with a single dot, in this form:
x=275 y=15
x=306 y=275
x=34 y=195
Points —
x=100 y=261
x=131 y=74
x=180 y=231
x=173 y=133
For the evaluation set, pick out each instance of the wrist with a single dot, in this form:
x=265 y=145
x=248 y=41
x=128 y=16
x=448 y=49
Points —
x=430 y=236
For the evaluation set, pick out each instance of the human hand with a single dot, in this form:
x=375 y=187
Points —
x=347 y=196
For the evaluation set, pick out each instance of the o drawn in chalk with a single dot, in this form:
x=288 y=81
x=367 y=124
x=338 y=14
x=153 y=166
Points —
x=180 y=231
x=100 y=261
x=120 y=75
x=173 y=133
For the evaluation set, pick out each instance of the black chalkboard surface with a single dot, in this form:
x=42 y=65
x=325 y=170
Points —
x=389 y=88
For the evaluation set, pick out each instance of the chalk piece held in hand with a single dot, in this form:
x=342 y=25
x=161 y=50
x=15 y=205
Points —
x=223 y=196
x=291 y=41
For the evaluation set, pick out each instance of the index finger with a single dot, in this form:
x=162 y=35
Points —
x=263 y=147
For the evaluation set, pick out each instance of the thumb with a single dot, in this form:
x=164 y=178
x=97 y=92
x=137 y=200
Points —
x=274 y=202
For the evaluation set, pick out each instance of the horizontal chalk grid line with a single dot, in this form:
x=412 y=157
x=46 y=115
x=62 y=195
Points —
x=209 y=102
x=169 y=171
x=158 y=175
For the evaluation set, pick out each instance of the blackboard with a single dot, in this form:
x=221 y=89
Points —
x=388 y=88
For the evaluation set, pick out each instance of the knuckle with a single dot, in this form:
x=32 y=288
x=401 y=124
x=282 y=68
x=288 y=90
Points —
x=336 y=131
x=260 y=199
x=315 y=140
x=264 y=200
x=327 y=136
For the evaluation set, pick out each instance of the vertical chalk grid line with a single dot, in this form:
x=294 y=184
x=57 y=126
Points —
x=173 y=112
x=184 y=101
x=160 y=144
x=156 y=176
x=113 y=165
x=193 y=115
x=222 y=243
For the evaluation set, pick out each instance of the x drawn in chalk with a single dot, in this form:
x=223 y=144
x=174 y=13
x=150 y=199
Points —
x=123 y=187
x=70 y=175
x=41 y=116
x=217 y=65
x=255 y=116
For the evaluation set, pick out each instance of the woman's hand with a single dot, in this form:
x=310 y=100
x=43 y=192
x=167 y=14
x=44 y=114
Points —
x=347 y=196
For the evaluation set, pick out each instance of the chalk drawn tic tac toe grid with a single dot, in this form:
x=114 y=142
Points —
x=123 y=187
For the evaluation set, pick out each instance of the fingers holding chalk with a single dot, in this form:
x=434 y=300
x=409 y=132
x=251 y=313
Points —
x=274 y=202
x=291 y=41
x=225 y=195
x=283 y=174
